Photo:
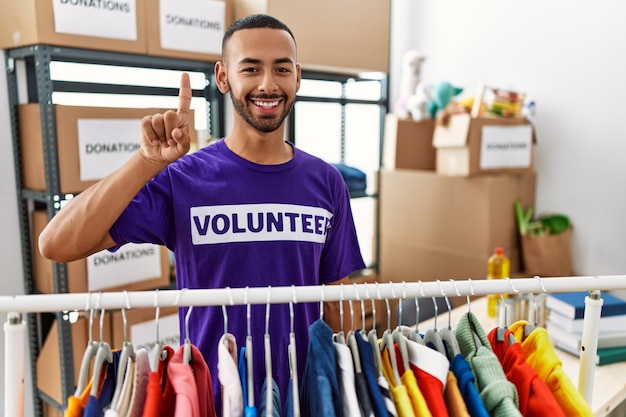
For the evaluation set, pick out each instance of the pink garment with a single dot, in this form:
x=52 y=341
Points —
x=228 y=373
x=140 y=384
x=195 y=375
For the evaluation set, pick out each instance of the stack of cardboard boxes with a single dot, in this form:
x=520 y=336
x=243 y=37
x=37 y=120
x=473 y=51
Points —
x=447 y=195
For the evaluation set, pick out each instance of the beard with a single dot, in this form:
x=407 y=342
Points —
x=265 y=124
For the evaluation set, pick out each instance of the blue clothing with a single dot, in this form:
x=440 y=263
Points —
x=234 y=223
x=95 y=405
x=248 y=410
x=276 y=410
x=288 y=407
x=467 y=385
x=320 y=394
x=367 y=363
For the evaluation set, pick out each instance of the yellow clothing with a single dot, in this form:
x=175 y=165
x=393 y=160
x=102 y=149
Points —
x=417 y=399
x=541 y=356
x=454 y=399
x=399 y=392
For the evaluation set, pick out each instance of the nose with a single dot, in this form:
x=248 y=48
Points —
x=268 y=83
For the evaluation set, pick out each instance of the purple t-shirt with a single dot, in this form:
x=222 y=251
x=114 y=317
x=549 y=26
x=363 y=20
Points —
x=234 y=223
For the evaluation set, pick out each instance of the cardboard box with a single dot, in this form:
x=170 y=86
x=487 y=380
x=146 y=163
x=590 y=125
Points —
x=142 y=267
x=439 y=227
x=91 y=143
x=408 y=144
x=469 y=146
x=338 y=36
x=141 y=327
x=48 y=366
x=189 y=30
x=109 y=26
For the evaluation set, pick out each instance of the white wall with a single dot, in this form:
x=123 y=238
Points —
x=567 y=55
x=12 y=277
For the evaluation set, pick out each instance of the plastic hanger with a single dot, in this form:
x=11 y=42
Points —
x=90 y=352
x=413 y=333
x=451 y=345
x=293 y=359
x=398 y=337
x=225 y=315
x=127 y=354
x=502 y=329
x=249 y=357
x=529 y=327
x=157 y=350
x=432 y=338
x=269 y=404
x=103 y=354
x=387 y=343
x=339 y=337
x=372 y=338
x=351 y=339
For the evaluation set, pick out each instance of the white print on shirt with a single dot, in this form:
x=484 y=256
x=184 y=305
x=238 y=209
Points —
x=258 y=222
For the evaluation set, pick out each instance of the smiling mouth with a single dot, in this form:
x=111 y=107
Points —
x=266 y=104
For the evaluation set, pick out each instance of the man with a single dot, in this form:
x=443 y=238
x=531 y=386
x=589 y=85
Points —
x=249 y=210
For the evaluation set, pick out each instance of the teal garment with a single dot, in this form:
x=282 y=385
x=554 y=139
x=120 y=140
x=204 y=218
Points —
x=498 y=395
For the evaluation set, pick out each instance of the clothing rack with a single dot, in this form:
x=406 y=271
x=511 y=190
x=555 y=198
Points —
x=38 y=303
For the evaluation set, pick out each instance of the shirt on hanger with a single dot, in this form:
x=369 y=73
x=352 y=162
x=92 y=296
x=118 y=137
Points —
x=541 y=356
x=96 y=404
x=275 y=396
x=498 y=394
x=320 y=394
x=430 y=368
x=345 y=375
x=399 y=392
x=248 y=409
x=140 y=384
x=121 y=406
x=228 y=374
x=202 y=377
x=454 y=400
x=535 y=398
x=160 y=395
x=467 y=385
x=367 y=364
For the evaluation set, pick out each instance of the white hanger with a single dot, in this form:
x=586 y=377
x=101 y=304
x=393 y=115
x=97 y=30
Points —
x=451 y=345
x=157 y=350
x=397 y=335
x=529 y=327
x=372 y=336
x=269 y=404
x=225 y=315
x=293 y=358
x=413 y=334
x=432 y=336
x=103 y=354
x=90 y=352
x=351 y=339
x=502 y=329
x=249 y=357
x=387 y=340
x=339 y=336
x=127 y=354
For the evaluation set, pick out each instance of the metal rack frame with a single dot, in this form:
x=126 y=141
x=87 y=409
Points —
x=28 y=75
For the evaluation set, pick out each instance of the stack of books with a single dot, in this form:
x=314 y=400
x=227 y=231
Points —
x=565 y=325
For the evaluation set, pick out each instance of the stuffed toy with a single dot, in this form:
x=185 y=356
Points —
x=410 y=77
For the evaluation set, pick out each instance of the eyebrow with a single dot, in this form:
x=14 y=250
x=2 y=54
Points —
x=258 y=61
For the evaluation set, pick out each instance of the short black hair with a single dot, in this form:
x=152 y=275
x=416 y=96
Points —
x=254 y=21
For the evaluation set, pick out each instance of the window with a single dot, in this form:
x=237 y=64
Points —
x=339 y=119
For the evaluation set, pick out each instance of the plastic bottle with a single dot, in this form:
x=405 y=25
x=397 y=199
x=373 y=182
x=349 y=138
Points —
x=498 y=267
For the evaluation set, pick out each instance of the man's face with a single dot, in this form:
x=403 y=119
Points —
x=262 y=76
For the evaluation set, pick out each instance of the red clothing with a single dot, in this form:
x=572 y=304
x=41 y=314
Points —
x=535 y=398
x=203 y=384
x=160 y=396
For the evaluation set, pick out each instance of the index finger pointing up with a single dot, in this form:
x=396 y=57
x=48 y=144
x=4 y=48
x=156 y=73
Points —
x=184 y=95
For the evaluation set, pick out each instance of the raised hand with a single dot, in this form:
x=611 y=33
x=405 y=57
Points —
x=165 y=136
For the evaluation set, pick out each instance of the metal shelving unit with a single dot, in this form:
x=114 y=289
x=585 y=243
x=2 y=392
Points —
x=29 y=81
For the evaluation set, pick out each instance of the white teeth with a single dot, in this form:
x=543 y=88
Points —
x=266 y=105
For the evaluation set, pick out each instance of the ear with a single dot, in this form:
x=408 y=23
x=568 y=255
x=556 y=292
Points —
x=221 y=78
x=298 y=77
